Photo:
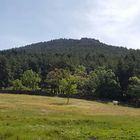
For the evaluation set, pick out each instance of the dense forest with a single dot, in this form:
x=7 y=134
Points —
x=84 y=67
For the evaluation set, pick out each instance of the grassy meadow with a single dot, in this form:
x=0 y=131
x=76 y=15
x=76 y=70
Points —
x=24 y=117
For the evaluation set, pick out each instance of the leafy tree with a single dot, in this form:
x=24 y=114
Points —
x=54 y=77
x=68 y=86
x=125 y=70
x=31 y=80
x=80 y=70
x=104 y=84
x=82 y=79
x=17 y=85
x=133 y=92
x=134 y=80
x=4 y=72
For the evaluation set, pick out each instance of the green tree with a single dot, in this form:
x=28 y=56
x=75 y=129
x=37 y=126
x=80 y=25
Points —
x=17 y=84
x=80 y=70
x=133 y=92
x=31 y=80
x=53 y=79
x=104 y=84
x=4 y=72
x=82 y=79
x=68 y=86
x=125 y=70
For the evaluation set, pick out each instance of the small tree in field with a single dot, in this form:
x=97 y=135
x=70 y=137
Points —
x=69 y=86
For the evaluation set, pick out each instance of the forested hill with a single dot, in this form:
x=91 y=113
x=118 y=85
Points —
x=86 y=45
x=66 y=54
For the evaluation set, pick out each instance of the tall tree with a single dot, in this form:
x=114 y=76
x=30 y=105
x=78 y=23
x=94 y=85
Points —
x=4 y=72
x=82 y=78
x=31 y=80
x=125 y=70
x=53 y=79
x=104 y=83
x=69 y=86
x=133 y=92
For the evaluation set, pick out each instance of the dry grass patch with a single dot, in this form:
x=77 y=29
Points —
x=58 y=104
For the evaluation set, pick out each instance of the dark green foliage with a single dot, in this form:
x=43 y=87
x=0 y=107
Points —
x=17 y=85
x=104 y=83
x=45 y=56
x=53 y=79
x=4 y=72
x=133 y=91
x=125 y=70
x=31 y=80
x=82 y=78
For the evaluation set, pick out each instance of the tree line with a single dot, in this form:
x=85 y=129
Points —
x=102 y=83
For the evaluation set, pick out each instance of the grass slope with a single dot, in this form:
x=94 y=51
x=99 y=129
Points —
x=24 y=117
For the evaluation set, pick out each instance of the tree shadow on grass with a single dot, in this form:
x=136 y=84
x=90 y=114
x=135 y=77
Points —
x=59 y=104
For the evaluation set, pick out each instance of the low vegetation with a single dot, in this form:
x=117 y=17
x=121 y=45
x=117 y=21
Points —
x=24 y=117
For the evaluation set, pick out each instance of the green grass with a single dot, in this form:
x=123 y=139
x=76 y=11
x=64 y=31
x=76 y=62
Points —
x=24 y=117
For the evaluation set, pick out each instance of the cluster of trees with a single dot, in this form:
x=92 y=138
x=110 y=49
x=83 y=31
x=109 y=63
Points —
x=28 y=81
x=84 y=67
x=101 y=83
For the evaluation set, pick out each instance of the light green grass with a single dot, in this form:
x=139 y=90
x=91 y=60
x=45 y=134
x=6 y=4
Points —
x=24 y=117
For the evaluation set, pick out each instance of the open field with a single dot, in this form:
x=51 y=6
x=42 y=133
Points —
x=24 y=117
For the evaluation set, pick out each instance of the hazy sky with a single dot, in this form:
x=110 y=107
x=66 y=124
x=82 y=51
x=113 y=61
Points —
x=115 y=22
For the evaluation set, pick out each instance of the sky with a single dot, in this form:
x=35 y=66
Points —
x=115 y=22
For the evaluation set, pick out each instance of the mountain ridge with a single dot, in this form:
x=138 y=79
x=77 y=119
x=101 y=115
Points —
x=84 y=40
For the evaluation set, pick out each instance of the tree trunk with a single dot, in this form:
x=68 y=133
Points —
x=68 y=99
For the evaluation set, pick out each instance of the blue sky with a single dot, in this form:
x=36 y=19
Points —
x=115 y=22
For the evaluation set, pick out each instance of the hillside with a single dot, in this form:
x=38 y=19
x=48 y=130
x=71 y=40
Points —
x=62 y=53
x=36 y=117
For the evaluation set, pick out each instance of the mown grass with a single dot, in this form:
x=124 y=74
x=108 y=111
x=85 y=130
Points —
x=24 y=117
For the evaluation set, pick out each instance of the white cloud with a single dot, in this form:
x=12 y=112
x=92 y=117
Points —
x=113 y=21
